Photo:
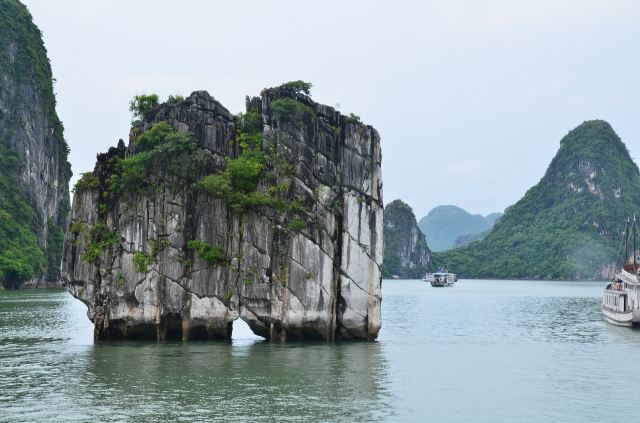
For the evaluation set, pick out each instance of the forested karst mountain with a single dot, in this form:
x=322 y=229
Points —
x=34 y=172
x=567 y=226
x=405 y=249
x=463 y=240
x=447 y=227
x=273 y=216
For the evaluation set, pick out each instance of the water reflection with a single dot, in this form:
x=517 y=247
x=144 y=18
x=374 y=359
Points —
x=51 y=368
x=311 y=382
x=482 y=351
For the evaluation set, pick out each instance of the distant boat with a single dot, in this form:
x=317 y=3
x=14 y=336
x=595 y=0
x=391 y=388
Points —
x=621 y=297
x=441 y=278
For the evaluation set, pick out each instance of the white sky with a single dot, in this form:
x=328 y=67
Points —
x=471 y=98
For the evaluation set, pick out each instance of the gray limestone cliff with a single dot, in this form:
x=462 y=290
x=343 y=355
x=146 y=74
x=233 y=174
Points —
x=34 y=171
x=273 y=216
x=406 y=254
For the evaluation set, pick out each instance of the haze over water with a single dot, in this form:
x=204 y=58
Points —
x=498 y=351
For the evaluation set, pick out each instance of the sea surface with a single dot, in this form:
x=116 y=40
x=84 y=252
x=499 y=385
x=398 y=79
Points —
x=482 y=351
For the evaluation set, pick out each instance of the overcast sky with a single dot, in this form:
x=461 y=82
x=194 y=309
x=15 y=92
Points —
x=471 y=98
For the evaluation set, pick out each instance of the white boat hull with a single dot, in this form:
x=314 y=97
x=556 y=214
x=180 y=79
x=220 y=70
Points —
x=628 y=318
x=440 y=281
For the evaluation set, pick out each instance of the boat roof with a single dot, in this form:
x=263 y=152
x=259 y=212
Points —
x=440 y=273
x=628 y=278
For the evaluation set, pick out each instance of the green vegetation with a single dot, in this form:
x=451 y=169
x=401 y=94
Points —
x=353 y=118
x=78 y=227
x=161 y=147
x=141 y=262
x=175 y=99
x=258 y=176
x=229 y=295
x=21 y=258
x=101 y=238
x=157 y=246
x=87 y=181
x=29 y=63
x=463 y=240
x=212 y=254
x=445 y=224
x=291 y=110
x=122 y=282
x=299 y=86
x=23 y=59
x=238 y=184
x=142 y=106
x=403 y=256
x=569 y=225
x=297 y=225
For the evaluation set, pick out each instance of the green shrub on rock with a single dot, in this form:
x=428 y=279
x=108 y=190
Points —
x=212 y=254
x=238 y=184
x=87 y=181
x=101 y=239
x=297 y=225
x=299 y=86
x=161 y=146
x=175 y=99
x=142 y=106
x=291 y=110
x=141 y=262
x=353 y=118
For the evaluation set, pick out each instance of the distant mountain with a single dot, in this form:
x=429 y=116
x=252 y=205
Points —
x=405 y=249
x=445 y=225
x=569 y=225
x=493 y=217
x=463 y=240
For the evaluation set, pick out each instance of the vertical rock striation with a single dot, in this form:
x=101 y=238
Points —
x=34 y=172
x=406 y=254
x=297 y=255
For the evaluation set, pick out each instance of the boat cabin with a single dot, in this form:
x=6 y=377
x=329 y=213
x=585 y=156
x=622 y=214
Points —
x=621 y=299
x=616 y=300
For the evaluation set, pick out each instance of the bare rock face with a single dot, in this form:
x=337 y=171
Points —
x=406 y=254
x=297 y=256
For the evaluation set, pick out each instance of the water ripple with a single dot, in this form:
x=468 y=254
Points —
x=494 y=351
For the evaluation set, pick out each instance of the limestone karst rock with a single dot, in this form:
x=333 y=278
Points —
x=34 y=172
x=273 y=216
x=567 y=226
x=406 y=254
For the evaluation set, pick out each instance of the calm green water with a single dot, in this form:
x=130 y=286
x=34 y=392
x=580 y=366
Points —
x=485 y=351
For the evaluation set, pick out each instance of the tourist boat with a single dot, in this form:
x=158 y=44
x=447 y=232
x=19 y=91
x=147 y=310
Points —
x=621 y=298
x=441 y=278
